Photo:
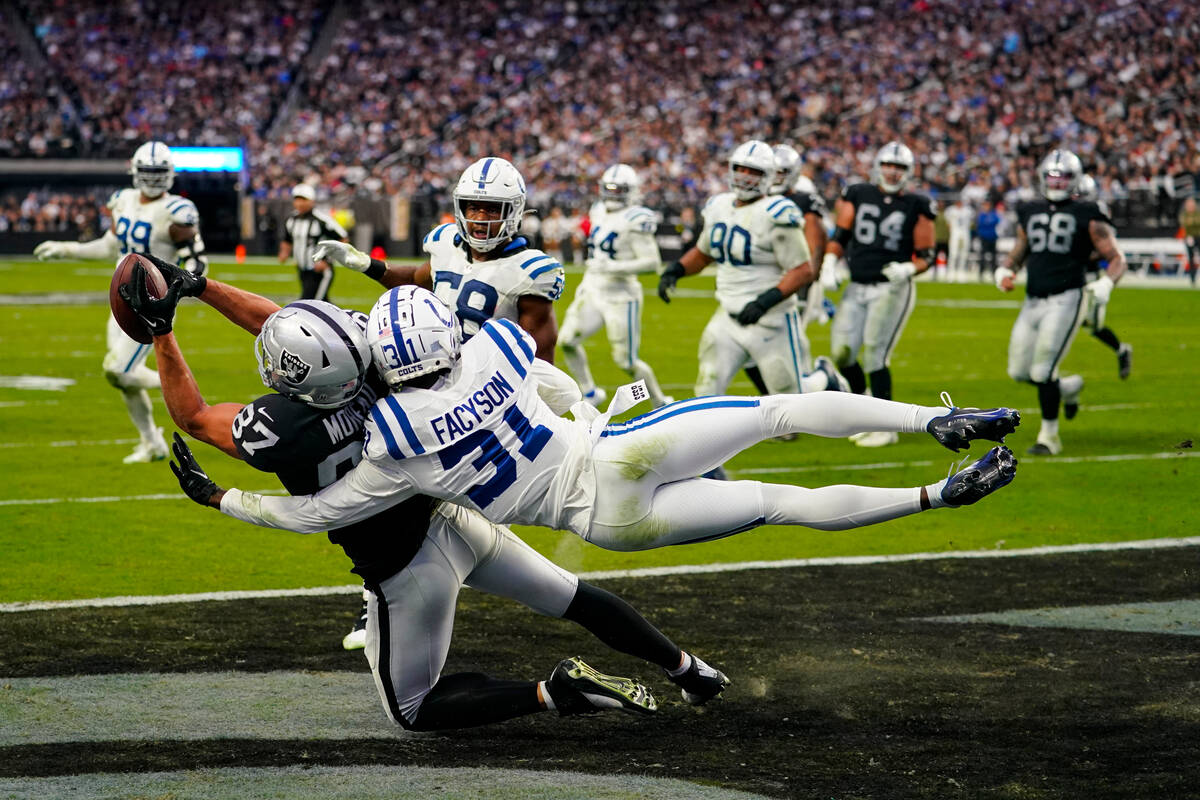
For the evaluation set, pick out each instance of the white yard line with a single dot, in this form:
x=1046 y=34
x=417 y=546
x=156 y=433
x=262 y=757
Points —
x=649 y=572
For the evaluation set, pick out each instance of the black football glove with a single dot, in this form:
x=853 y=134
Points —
x=753 y=311
x=667 y=281
x=192 y=479
x=157 y=315
x=191 y=284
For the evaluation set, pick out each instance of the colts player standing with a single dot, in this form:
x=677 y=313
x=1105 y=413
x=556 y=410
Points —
x=148 y=220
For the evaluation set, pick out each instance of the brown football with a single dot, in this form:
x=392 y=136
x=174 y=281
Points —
x=156 y=286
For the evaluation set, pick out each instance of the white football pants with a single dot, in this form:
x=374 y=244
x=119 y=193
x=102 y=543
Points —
x=644 y=498
x=125 y=368
x=871 y=318
x=410 y=619
x=1042 y=335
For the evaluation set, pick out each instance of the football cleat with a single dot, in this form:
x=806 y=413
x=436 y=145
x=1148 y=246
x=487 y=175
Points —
x=576 y=689
x=700 y=683
x=836 y=382
x=996 y=469
x=356 y=639
x=962 y=426
x=1045 y=446
x=877 y=439
x=1125 y=360
x=147 y=451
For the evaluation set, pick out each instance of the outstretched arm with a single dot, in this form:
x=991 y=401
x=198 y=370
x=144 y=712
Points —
x=181 y=394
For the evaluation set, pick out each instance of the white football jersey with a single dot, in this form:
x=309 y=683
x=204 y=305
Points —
x=479 y=291
x=742 y=241
x=612 y=239
x=484 y=438
x=145 y=227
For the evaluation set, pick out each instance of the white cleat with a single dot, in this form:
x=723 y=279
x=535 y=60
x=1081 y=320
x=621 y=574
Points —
x=877 y=439
x=147 y=451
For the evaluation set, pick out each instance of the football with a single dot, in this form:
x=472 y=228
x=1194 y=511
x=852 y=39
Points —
x=156 y=286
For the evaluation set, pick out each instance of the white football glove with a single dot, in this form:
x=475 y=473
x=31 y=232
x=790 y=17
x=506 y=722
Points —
x=899 y=271
x=1003 y=273
x=341 y=254
x=48 y=250
x=829 y=276
x=1101 y=288
x=814 y=306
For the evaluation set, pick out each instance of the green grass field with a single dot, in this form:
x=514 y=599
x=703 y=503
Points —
x=75 y=522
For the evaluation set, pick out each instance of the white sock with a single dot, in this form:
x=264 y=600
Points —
x=544 y=693
x=684 y=666
x=1049 y=428
x=934 y=491
x=141 y=412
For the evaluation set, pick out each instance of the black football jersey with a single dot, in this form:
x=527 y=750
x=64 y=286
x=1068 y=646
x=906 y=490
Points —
x=1060 y=244
x=809 y=203
x=883 y=229
x=310 y=448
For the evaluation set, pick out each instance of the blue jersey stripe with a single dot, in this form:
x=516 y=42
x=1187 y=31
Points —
x=494 y=332
x=775 y=205
x=793 y=330
x=784 y=210
x=518 y=334
x=535 y=260
x=394 y=316
x=673 y=410
x=545 y=269
x=439 y=230
x=389 y=439
x=405 y=426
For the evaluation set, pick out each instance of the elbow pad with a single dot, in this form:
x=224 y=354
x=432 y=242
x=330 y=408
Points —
x=190 y=255
x=842 y=236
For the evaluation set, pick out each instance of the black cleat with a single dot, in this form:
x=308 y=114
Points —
x=576 y=689
x=1125 y=360
x=700 y=683
x=996 y=469
x=962 y=426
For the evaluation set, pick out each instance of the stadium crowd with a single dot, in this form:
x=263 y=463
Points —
x=409 y=93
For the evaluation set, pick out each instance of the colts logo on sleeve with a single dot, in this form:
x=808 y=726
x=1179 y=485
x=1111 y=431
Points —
x=294 y=368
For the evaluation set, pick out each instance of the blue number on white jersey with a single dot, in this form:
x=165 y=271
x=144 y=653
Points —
x=133 y=239
x=491 y=451
x=466 y=312
x=730 y=244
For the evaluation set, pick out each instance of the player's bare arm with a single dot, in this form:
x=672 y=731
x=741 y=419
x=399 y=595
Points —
x=185 y=403
x=844 y=221
x=341 y=253
x=1104 y=240
x=285 y=251
x=924 y=242
x=536 y=315
x=817 y=238
x=693 y=261
x=244 y=309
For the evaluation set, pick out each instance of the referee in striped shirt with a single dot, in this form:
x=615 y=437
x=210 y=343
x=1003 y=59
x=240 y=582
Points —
x=301 y=232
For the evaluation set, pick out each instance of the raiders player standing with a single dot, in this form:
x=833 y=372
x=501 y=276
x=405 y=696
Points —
x=887 y=236
x=1055 y=240
x=415 y=555
x=149 y=220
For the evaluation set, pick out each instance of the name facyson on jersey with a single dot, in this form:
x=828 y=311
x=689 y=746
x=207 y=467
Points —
x=450 y=426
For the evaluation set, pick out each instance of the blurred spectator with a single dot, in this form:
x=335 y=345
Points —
x=1189 y=221
x=987 y=230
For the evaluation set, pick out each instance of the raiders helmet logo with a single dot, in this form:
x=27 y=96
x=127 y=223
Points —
x=293 y=368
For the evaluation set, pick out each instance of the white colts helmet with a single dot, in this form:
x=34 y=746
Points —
x=492 y=180
x=893 y=153
x=787 y=167
x=314 y=352
x=412 y=333
x=152 y=168
x=620 y=187
x=1059 y=175
x=758 y=156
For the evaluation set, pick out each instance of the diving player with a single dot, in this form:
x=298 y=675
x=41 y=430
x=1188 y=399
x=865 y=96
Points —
x=146 y=219
x=414 y=556
x=478 y=424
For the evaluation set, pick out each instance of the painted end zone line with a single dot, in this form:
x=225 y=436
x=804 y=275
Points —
x=649 y=572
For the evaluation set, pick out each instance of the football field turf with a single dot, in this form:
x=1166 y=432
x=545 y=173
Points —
x=77 y=523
